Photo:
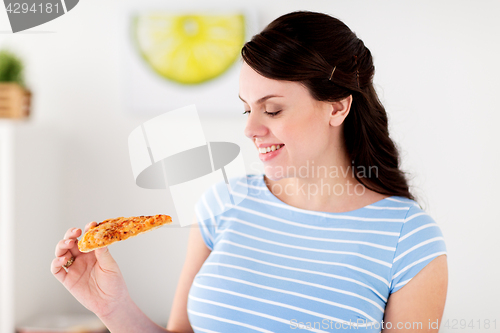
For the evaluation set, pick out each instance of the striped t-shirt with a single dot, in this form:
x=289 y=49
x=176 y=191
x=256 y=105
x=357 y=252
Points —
x=278 y=268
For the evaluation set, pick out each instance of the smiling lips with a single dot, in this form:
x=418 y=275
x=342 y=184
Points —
x=265 y=150
x=269 y=151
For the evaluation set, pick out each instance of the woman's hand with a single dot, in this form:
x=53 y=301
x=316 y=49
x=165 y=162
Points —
x=94 y=278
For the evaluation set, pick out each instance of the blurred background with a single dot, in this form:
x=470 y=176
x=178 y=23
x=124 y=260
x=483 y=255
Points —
x=68 y=164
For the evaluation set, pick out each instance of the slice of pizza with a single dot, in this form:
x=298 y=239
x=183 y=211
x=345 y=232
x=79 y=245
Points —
x=114 y=230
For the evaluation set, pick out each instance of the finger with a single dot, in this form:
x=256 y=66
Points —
x=106 y=261
x=72 y=233
x=67 y=247
x=56 y=268
x=90 y=225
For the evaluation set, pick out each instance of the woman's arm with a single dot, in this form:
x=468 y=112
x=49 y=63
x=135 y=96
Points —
x=422 y=300
x=95 y=280
x=196 y=255
x=128 y=318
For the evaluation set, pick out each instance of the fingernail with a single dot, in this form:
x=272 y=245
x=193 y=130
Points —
x=62 y=259
x=74 y=230
x=68 y=241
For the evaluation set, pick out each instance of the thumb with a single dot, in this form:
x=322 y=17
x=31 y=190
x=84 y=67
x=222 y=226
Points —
x=105 y=259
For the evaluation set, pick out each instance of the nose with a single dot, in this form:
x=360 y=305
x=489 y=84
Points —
x=255 y=127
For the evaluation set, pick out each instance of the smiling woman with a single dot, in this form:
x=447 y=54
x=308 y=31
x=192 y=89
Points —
x=317 y=242
x=330 y=64
x=309 y=248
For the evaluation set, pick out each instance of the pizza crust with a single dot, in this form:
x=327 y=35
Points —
x=114 y=230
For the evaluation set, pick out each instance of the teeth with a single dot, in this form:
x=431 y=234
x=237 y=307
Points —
x=269 y=149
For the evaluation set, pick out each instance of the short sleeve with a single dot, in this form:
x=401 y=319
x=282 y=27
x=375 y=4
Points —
x=420 y=241
x=208 y=209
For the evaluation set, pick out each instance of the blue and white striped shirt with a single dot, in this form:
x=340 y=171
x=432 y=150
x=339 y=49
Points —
x=278 y=268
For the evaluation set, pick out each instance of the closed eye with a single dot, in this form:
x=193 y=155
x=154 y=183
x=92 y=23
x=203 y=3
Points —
x=271 y=114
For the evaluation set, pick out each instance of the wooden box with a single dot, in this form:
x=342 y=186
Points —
x=15 y=101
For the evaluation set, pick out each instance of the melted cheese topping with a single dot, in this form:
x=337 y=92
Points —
x=118 y=229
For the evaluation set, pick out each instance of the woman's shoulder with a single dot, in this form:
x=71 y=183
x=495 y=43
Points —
x=418 y=227
x=420 y=241
x=223 y=195
x=403 y=203
x=414 y=211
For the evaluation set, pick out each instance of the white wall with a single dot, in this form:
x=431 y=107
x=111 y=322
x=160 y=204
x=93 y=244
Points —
x=437 y=73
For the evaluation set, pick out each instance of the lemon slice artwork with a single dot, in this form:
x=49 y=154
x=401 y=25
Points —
x=189 y=49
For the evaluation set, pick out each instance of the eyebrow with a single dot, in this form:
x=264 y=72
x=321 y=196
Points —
x=263 y=99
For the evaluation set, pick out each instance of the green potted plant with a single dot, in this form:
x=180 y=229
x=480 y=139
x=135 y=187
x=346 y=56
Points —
x=14 y=97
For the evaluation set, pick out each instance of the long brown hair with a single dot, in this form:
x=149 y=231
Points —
x=307 y=47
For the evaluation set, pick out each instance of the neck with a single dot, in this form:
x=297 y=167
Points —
x=320 y=187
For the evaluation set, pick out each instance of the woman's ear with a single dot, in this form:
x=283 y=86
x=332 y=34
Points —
x=340 y=110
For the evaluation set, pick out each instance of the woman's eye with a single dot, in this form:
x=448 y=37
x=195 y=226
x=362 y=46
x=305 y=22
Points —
x=272 y=114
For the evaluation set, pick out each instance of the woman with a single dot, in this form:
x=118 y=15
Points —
x=328 y=239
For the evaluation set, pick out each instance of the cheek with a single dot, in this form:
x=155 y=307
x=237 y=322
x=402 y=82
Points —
x=303 y=143
x=309 y=133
